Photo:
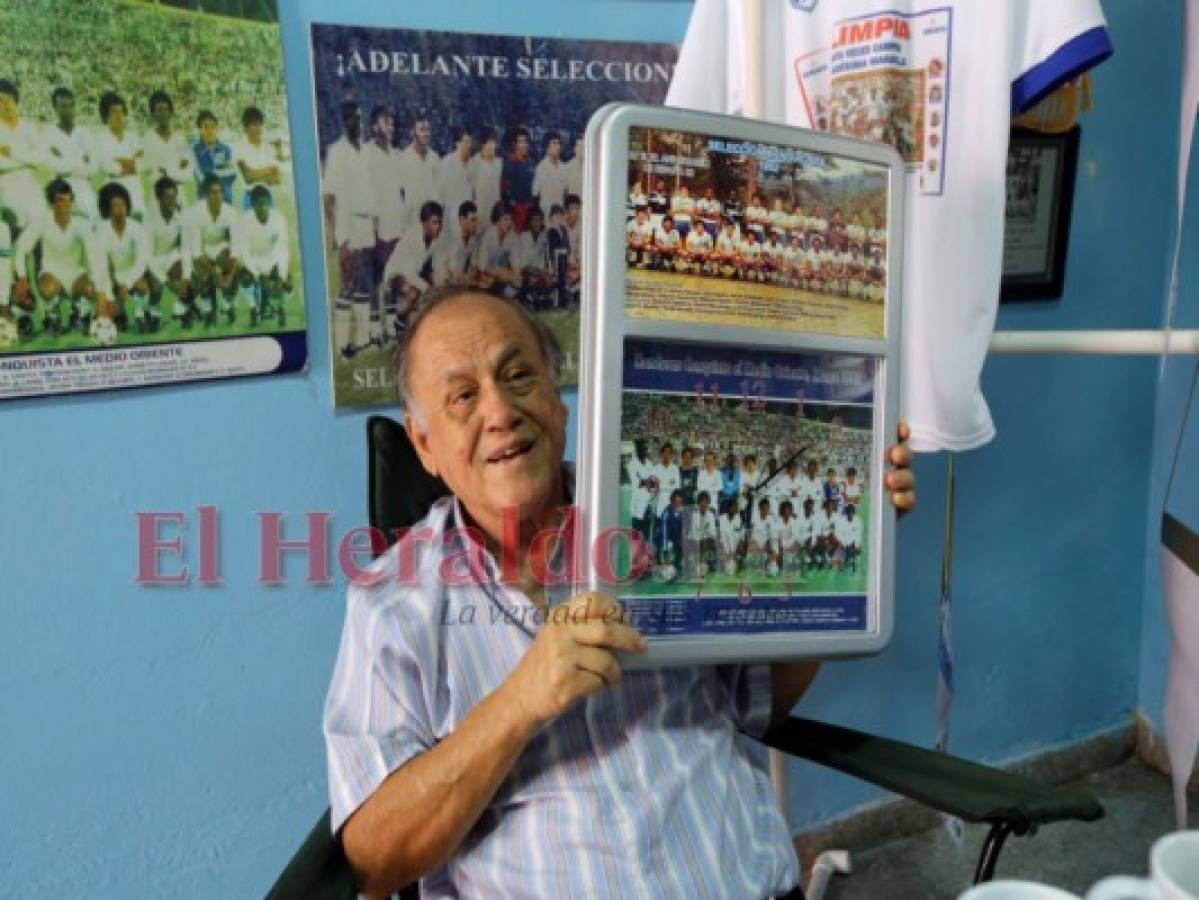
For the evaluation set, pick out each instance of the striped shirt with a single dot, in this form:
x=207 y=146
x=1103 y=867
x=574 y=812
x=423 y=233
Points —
x=643 y=790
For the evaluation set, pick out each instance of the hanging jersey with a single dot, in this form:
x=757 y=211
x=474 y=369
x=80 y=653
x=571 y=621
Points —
x=938 y=80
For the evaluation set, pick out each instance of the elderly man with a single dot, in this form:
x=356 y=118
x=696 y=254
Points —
x=479 y=734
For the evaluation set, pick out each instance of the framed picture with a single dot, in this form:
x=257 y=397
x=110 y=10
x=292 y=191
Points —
x=1040 y=197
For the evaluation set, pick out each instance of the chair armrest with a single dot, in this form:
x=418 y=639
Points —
x=953 y=785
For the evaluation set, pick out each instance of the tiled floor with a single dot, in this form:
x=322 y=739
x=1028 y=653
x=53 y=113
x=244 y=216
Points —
x=931 y=865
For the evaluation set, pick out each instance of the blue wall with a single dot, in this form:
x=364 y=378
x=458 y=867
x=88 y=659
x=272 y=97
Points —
x=167 y=741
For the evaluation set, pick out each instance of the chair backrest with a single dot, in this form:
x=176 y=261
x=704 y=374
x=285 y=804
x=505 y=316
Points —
x=400 y=491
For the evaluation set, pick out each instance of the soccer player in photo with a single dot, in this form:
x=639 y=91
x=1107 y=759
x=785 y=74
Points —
x=533 y=261
x=211 y=241
x=168 y=155
x=667 y=473
x=638 y=199
x=549 y=178
x=789 y=531
x=257 y=160
x=731 y=529
x=68 y=153
x=382 y=161
x=832 y=489
x=826 y=541
x=702 y=535
x=123 y=254
x=409 y=272
x=697 y=251
x=688 y=476
x=757 y=218
x=793 y=262
x=266 y=260
x=851 y=488
x=485 y=173
x=518 y=173
x=574 y=231
x=640 y=469
x=808 y=534
x=170 y=266
x=213 y=156
x=671 y=530
x=847 y=529
x=351 y=207
x=726 y=249
x=750 y=266
x=639 y=236
x=666 y=244
x=709 y=480
x=455 y=255
x=810 y=486
x=774 y=259
x=730 y=480
x=708 y=211
x=498 y=258
x=557 y=239
x=751 y=477
x=453 y=176
x=19 y=189
x=682 y=207
x=658 y=202
x=762 y=550
x=67 y=261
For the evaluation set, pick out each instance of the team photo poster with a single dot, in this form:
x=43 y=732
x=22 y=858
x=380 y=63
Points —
x=756 y=235
x=147 y=206
x=452 y=158
x=746 y=475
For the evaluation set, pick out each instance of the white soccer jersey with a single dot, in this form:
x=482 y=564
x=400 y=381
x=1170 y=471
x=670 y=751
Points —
x=355 y=198
x=668 y=240
x=109 y=149
x=532 y=251
x=810 y=489
x=637 y=199
x=852 y=493
x=805 y=528
x=166 y=244
x=968 y=63
x=68 y=155
x=703 y=525
x=549 y=183
x=710 y=482
x=171 y=156
x=639 y=471
x=264 y=245
x=642 y=232
x=699 y=241
x=762 y=529
x=669 y=479
x=124 y=256
x=750 y=250
x=485 y=177
x=681 y=208
x=67 y=252
x=454 y=188
x=255 y=156
x=847 y=532
x=18 y=188
x=726 y=244
x=790 y=533
x=708 y=209
x=574 y=176
x=497 y=252
x=383 y=167
x=418 y=181
x=823 y=524
x=409 y=258
x=453 y=257
x=757 y=214
x=732 y=529
x=207 y=235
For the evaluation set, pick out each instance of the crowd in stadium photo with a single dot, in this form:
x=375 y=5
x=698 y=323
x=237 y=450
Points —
x=126 y=205
x=781 y=499
x=757 y=238
x=497 y=211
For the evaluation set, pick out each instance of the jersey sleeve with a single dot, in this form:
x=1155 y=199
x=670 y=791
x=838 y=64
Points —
x=711 y=50
x=1053 y=43
x=375 y=717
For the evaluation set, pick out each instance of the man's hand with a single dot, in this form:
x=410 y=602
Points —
x=573 y=656
x=901 y=480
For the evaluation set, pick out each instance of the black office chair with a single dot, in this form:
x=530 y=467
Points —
x=401 y=492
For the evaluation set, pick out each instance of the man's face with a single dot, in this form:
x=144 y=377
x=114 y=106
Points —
x=8 y=106
x=465 y=145
x=384 y=129
x=709 y=461
x=117 y=210
x=422 y=133
x=488 y=149
x=666 y=454
x=536 y=224
x=262 y=207
x=553 y=149
x=116 y=118
x=64 y=108
x=61 y=205
x=161 y=114
x=688 y=458
x=432 y=226
x=468 y=224
x=254 y=132
x=494 y=427
x=208 y=131
x=811 y=470
x=504 y=225
x=522 y=145
x=214 y=196
x=167 y=199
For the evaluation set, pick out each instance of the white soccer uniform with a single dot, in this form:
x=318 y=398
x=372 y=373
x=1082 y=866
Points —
x=67 y=252
x=383 y=166
x=207 y=235
x=255 y=156
x=667 y=240
x=699 y=241
x=639 y=471
x=852 y=493
x=790 y=533
x=682 y=208
x=171 y=156
x=669 y=480
x=497 y=252
x=751 y=251
x=532 y=251
x=264 y=245
x=574 y=176
x=642 y=232
x=575 y=235
x=975 y=63
x=166 y=244
x=549 y=183
x=354 y=196
x=762 y=531
x=452 y=256
x=806 y=529
x=637 y=200
x=409 y=258
x=810 y=489
x=847 y=532
x=453 y=189
x=485 y=177
x=726 y=244
x=708 y=210
x=70 y=156
x=731 y=531
x=703 y=525
x=108 y=149
x=824 y=524
x=418 y=181
x=19 y=189
x=124 y=257
x=709 y=482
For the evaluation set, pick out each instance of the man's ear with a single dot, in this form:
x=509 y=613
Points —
x=420 y=442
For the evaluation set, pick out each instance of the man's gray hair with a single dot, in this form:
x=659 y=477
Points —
x=547 y=341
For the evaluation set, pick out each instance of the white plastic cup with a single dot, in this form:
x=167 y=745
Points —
x=1173 y=873
x=1016 y=890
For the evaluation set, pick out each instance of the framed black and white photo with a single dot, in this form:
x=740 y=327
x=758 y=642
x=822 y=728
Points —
x=1040 y=197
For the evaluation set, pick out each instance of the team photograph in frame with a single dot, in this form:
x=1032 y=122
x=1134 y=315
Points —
x=745 y=484
x=747 y=233
x=148 y=228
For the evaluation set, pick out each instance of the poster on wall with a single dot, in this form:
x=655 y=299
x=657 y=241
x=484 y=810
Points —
x=451 y=158
x=147 y=205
